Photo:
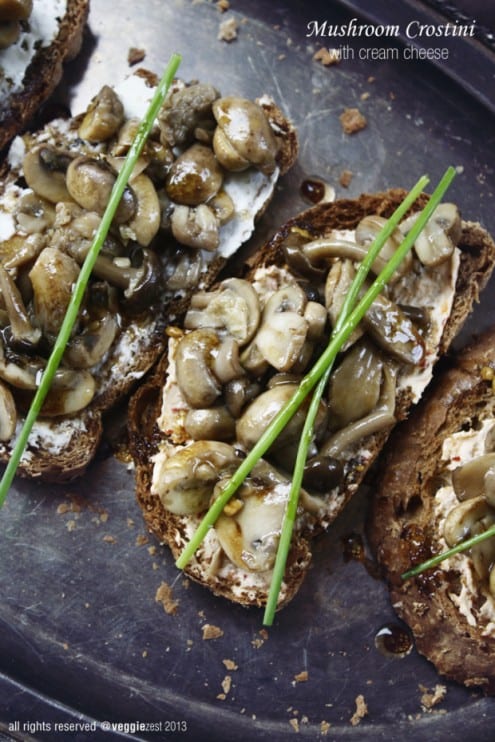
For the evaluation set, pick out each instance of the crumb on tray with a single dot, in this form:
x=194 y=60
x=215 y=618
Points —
x=360 y=712
x=164 y=596
x=211 y=632
x=228 y=30
x=352 y=120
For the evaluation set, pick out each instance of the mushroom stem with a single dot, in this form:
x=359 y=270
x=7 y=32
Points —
x=22 y=329
x=379 y=419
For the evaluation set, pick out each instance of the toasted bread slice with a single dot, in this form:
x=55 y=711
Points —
x=31 y=68
x=163 y=427
x=449 y=608
x=146 y=270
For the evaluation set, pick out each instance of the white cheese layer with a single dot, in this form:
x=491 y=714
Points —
x=40 y=30
x=473 y=601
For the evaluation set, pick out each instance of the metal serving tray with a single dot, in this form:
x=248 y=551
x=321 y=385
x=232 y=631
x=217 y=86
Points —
x=82 y=638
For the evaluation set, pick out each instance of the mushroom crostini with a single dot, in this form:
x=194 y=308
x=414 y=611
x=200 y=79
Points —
x=54 y=194
x=251 y=339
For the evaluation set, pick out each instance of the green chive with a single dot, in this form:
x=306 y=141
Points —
x=349 y=323
x=308 y=428
x=84 y=274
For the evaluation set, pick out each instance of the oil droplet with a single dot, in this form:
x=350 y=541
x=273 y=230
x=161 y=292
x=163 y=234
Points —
x=315 y=190
x=393 y=641
x=353 y=547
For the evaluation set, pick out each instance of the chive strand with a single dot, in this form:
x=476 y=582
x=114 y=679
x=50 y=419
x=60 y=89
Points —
x=457 y=549
x=311 y=379
x=70 y=318
x=308 y=428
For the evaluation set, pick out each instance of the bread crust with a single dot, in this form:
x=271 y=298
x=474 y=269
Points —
x=43 y=73
x=478 y=255
x=404 y=530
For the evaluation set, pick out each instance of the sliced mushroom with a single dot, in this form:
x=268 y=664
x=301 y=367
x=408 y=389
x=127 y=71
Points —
x=15 y=10
x=195 y=177
x=89 y=347
x=185 y=481
x=21 y=327
x=393 y=331
x=73 y=392
x=213 y=423
x=226 y=365
x=145 y=223
x=355 y=385
x=283 y=330
x=259 y=414
x=238 y=393
x=281 y=339
x=34 y=213
x=195 y=227
x=471 y=518
x=52 y=276
x=45 y=169
x=9 y=33
x=250 y=536
x=380 y=418
x=438 y=238
x=70 y=390
x=475 y=478
x=366 y=232
x=194 y=359
x=8 y=413
x=339 y=280
x=243 y=136
x=103 y=118
x=141 y=283
x=90 y=182
x=232 y=309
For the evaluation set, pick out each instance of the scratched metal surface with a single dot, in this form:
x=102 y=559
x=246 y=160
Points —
x=82 y=637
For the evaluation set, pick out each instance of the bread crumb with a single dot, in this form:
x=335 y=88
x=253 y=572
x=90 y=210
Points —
x=134 y=55
x=325 y=727
x=345 y=178
x=164 y=596
x=301 y=677
x=294 y=724
x=360 y=712
x=142 y=540
x=211 y=632
x=130 y=522
x=152 y=550
x=257 y=643
x=109 y=539
x=223 y=5
x=230 y=665
x=228 y=30
x=227 y=684
x=63 y=508
x=327 y=56
x=365 y=96
x=144 y=653
x=71 y=525
x=429 y=699
x=352 y=120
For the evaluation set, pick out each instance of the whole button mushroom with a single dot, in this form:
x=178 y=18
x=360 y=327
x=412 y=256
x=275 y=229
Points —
x=243 y=136
x=103 y=118
x=195 y=177
x=90 y=182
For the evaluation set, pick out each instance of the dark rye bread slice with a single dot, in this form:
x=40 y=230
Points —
x=477 y=260
x=61 y=448
x=43 y=73
x=404 y=529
